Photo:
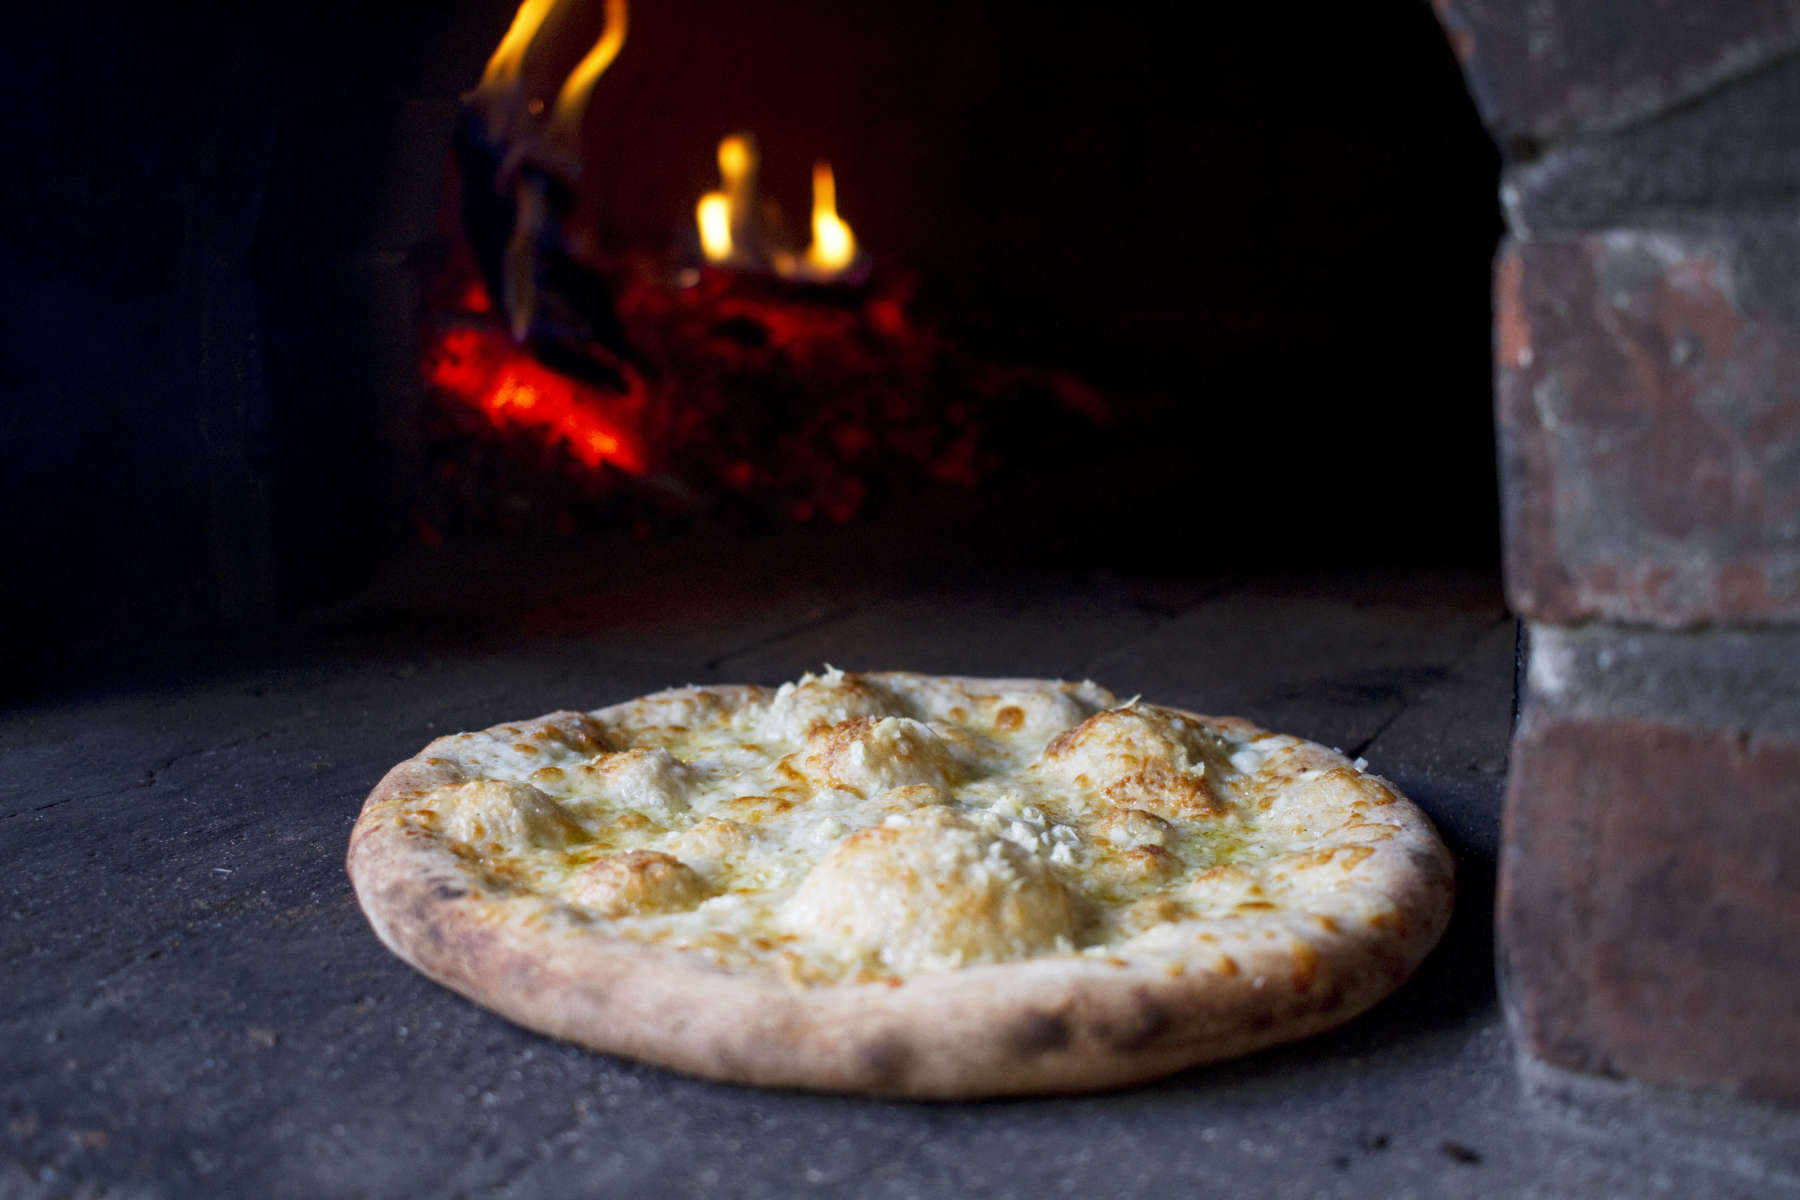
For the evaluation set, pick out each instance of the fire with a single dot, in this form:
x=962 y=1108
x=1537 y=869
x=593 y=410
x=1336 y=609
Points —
x=833 y=246
x=533 y=158
x=737 y=165
x=500 y=91
x=722 y=214
x=808 y=399
x=503 y=68
x=482 y=369
x=714 y=216
x=730 y=225
x=571 y=101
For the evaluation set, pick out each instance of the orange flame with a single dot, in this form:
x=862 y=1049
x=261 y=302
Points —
x=727 y=219
x=714 y=217
x=503 y=67
x=571 y=101
x=722 y=214
x=499 y=85
x=833 y=246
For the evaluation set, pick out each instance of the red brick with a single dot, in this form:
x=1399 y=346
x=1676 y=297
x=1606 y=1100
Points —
x=1649 y=906
x=1649 y=429
x=1563 y=66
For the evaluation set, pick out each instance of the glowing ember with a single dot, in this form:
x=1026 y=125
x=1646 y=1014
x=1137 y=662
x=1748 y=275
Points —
x=481 y=369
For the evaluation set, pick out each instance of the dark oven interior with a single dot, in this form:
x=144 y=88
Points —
x=1263 y=238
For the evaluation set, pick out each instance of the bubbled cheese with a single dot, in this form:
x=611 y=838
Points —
x=650 y=781
x=505 y=813
x=815 y=700
x=932 y=889
x=637 y=881
x=870 y=754
x=846 y=828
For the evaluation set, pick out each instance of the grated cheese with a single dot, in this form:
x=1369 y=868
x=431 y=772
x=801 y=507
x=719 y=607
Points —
x=879 y=825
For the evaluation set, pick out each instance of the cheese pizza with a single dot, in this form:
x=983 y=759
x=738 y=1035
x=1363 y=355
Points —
x=902 y=884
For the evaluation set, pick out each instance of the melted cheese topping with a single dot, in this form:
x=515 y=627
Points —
x=845 y=828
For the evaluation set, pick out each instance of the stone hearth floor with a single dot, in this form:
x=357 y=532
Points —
x=194 y=1005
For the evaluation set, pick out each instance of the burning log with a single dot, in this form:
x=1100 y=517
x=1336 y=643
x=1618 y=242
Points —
x=519 y=172
x=755 y=395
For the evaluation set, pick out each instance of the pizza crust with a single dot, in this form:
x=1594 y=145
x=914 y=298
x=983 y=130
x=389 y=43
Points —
x=1233 y=959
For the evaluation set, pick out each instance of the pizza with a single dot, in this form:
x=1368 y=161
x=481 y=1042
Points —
x=902 y=884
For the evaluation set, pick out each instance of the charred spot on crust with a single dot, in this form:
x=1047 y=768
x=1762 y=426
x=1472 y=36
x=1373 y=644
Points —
x=1142 y=1026
x=422 y=919
x=1039 y=1033
x=445 y=891
x=885 y=1061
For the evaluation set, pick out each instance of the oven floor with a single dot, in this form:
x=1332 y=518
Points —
x=193 y=1003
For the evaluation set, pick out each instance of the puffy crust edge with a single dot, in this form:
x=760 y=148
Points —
x=1039 y=1026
